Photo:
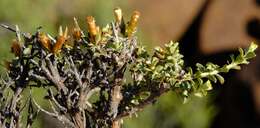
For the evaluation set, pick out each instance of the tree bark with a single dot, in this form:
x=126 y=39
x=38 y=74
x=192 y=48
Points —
x=78 y=121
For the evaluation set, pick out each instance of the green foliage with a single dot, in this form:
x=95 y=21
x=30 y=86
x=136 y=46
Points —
x=167 y=66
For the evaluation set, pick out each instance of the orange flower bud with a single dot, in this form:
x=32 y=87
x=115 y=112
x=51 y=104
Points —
x=16 y=48
x=45 y=41
x=58 y=45
x=92 y=28
x=61 y=39
x=76 y=31
x=133 y=23
x=118 y=15
x=65 y=34
x=76 y=34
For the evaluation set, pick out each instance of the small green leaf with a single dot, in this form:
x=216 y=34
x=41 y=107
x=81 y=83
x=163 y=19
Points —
x=159 y=68
x=27 y=51
x=232 y=56
x=220 y=79
x=157 y=48
x=200 y=81
x=208 y=86
x=211 y=66
x=239 y=59
x=200 y=67
x=252 y=47
x=172 y=81
x=241 y=51
x=250 y=55
x=236 y=67
x=212 y=78
x=198 y=94
x=177 y=85
x=185 y=93
x=154 y=61
x=189 y=69
x=224 y=69
x=172 y=49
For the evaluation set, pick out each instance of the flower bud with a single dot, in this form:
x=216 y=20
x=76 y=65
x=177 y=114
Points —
x=92 y=28
x=61 y=39
x=118 y=15
x=76 y=34
x=44 y=41
x=16 y=48
x=76 y=31
x=133 y=23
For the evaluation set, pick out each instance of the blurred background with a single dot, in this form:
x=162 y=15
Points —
x=208 y=30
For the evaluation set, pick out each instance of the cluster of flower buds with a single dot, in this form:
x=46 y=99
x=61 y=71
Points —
x=127 y=30
x=130 y=28
x=46 y=43
x=93 y=31
x=94 y=35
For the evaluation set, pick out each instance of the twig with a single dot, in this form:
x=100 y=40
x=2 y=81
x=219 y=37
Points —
x=8 y=27
x=142 y=104
x=115 y=32
x=75 y=71
x=25 y=35
x=59 y=117
x=18 y=33
x=53 y=75
x=55 y=101
x=116 y=97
